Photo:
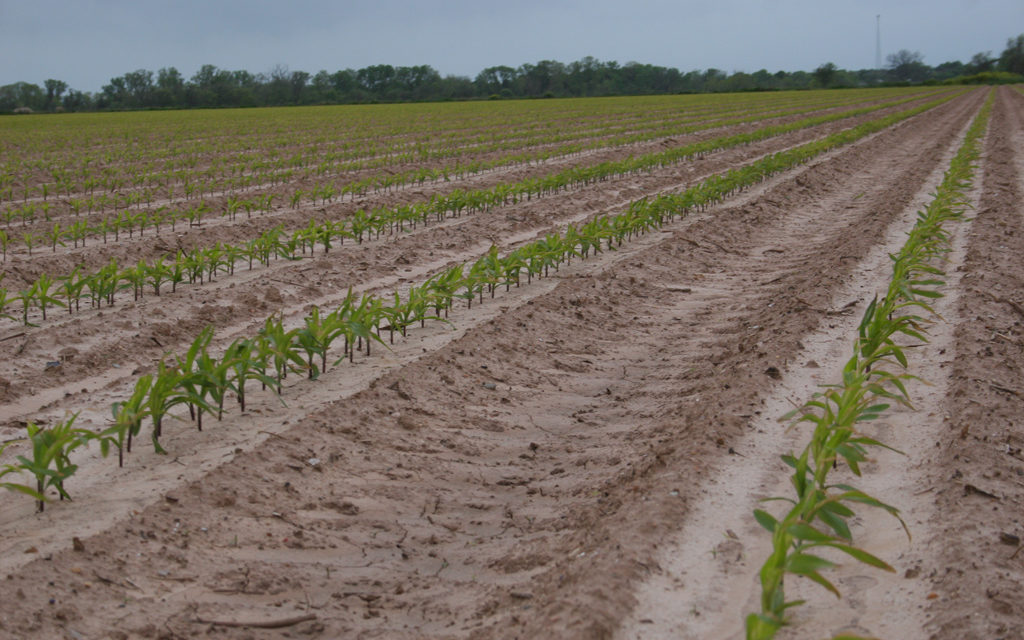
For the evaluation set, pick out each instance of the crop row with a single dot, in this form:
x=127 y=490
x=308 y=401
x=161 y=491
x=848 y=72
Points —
x=202 y=381
x=315 y=139
x=148 y=185
x=258 y=165
x=819 y=514
x=438 y=207
x=102 y=285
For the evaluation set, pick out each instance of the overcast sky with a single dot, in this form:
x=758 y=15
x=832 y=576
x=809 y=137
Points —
x=86 y=42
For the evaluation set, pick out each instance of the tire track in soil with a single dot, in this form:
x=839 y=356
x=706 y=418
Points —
x=709 y=583
x=441 y=507
x=953 y=526
x=977 y=572
x=159 y=324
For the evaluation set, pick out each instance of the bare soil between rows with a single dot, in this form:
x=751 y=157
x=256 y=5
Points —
x=515 y=478
x=147 y=328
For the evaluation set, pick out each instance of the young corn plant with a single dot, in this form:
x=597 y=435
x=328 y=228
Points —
x=13 y=469
x=168 y=390
x=73 y=285
x=279 y=350
x=212 y=376
x=50 y=463
x=5 y=301
x=873 y=377
x=243 y=358
x=128 y=415
x=43 y=297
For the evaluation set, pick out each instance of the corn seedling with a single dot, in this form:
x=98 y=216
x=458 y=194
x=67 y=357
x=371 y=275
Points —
x=872 y=378
x=50 y=463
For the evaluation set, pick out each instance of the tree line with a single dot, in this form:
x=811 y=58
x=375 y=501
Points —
x=215 y=87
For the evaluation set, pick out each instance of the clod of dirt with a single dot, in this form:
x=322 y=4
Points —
x=344 y=507
x=272 y=294
x=408 y=423
x=77 y=545
x=1009 y=538
x=397 y=389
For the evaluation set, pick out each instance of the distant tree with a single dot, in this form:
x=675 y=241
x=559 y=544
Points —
x=980 y=62
x=870 y=77
x=825 y=74
x=547 y=77
x=1012 y=58
x=277 y=86
x=907 y=66
x=54 y=89
x=950 y=69
x=763 y=79
x=321 y=89
x=170 y=88
x=298 y=80
x=714 y=79
x=798 y=80
x=346 y=84
x=376 y=78
x=22 y=95
x=494 y=79
x=78 y=101
x=139 y=85
x=114 y=95
x=415 y=83
x=455 y=88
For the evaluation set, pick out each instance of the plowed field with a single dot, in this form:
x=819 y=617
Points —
x=574 y=457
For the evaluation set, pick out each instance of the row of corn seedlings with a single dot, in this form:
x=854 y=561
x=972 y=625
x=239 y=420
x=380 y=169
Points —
x=142 y=183
x=203 y=382
x=193 y=265
x=255 y=168
x=438 y=207
x=875 y=376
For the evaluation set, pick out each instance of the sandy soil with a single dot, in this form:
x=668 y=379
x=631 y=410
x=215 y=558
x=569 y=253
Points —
x=577 y=458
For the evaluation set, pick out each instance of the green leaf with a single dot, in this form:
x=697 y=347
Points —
x=836 y=523
x=766 y=520
x=837 y=508
x=861 y=555
x=817 y=577
x=805 y=563
x=804 y=531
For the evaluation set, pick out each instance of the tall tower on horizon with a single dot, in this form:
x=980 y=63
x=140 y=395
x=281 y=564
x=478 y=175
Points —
x=878 y=41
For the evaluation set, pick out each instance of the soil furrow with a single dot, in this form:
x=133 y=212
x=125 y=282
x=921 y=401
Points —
x=268 y=289
x=707 y=577
x=977 y=473
x=151 y=246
